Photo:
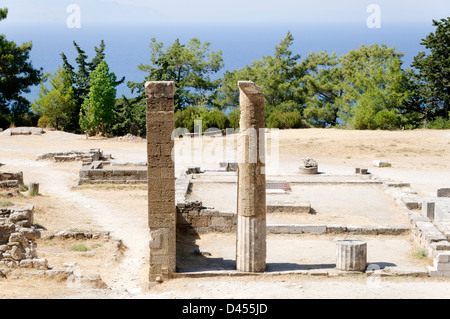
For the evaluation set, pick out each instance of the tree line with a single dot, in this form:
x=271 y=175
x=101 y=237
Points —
x=367 y=88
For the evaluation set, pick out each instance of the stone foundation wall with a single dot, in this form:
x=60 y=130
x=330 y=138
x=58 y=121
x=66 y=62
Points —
x=441 y=265
x=115 y=176
x=192 y=218
x=87 y=157
x=10 y=181
x=427 y=231
x=297 y=208
x=11 y=176
x=17 y=238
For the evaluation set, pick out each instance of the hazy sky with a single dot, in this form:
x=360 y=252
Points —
x=207 y=12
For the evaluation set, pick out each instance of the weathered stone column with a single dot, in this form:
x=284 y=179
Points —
x=251 y=219
x=161 y=179
x=351 y=255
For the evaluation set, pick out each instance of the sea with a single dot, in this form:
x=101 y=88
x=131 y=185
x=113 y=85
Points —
x=127 y=46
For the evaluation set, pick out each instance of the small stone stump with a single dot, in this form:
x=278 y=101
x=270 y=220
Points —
x=33 y=189
x=351 y=255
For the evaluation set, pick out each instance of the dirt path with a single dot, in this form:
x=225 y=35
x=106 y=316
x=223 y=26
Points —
x=57 y=182
x=129 y=230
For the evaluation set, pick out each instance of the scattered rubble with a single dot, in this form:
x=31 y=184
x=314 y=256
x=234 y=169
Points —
x=128 y=137
x=79 y=235
x=11 y=181
x=86 y=157
x=18 y=238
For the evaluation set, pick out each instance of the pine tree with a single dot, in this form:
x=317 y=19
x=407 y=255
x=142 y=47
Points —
x=97 y=108
x=431 y=85
x=80 y=78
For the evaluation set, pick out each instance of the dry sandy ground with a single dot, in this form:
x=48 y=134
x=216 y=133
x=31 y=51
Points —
x=419 y=157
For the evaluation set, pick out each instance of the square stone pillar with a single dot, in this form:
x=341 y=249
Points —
x=161 y=179
x=251 y=210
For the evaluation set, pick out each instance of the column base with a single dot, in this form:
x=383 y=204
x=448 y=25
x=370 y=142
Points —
x=251 y=244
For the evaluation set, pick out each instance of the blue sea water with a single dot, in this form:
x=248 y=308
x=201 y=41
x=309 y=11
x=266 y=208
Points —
x=128 y=46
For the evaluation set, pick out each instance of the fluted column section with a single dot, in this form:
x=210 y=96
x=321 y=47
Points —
x=351 y=255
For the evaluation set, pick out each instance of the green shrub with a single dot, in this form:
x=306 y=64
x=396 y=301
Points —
x=79 y=247
x=210 y=118
x=216 y=119
x=5 y=121
x=387 y=120
x=283 y=120
x=234 y=118
x=186 y=117
x=22 y=120
x=439 y=123
x=419 y=253
x=44 y=122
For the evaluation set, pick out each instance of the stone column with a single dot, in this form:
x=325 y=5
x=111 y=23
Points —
x=351 y=255
x=161 y=179
x=251 y=208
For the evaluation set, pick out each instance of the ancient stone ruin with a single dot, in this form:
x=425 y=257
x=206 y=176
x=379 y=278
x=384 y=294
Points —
x=24 y=131
x=86 y=157
x=104 y=172
x=11 y=181
x=161 y=179
x=18 y=238
x=251 y=211
x=310 y=166
x=170 y=211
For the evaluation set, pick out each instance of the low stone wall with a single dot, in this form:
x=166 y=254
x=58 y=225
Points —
x=192 y=218
x=10 y=181
x=104 y=172
x=430 y=236
x=17 y=238
x=9 y=185
x=24 y=131
x=114 y=176
x=337 y=229
x=11 y=176
x=87 y=157
x=280 y=207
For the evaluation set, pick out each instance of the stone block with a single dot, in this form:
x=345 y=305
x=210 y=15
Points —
x=336 y=229
x=411 y=203
x=201 y=221
x=279 y=229
x=441 y=245
x=381 y=164
x=26 y=263
x=443 y=192
x=439 y=266
x=161 y=220
x=302 y=229
x=443 y=258
x=442 y=210
x=428 y=209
